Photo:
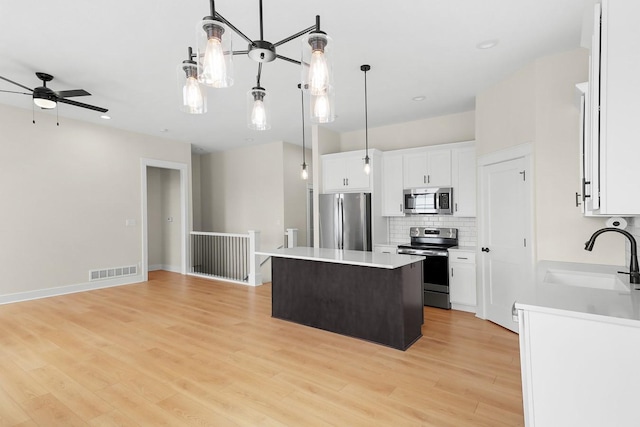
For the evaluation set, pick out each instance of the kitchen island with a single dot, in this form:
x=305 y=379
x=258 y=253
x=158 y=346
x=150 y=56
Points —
x=580 y=346
x=371 y=296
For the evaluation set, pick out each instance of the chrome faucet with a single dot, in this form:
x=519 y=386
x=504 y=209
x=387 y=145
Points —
x=634 y=272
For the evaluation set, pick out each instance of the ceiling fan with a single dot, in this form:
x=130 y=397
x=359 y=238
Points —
x=47 y=98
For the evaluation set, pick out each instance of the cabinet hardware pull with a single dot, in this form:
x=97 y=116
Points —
x=456 y=207
x=451 y=271
x=485 y=250
x=428 y=179
x=424 y=179
x=462 y=257
x=578 y=199
x=400 y=207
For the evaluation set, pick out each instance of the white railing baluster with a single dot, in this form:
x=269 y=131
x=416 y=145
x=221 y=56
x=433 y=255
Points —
x=226 y=256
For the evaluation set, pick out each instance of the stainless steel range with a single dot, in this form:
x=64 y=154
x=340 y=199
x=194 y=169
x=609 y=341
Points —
x=432 y=243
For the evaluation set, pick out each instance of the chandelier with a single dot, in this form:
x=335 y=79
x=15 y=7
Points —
x=212 y=65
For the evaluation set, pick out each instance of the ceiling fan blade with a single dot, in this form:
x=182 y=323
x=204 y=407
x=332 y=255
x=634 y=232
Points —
x=70 y=93
x=13 y=91
x=17 y=84
x=80 y=104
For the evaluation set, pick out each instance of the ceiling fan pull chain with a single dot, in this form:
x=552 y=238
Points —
x=33 y=113
x=57 y=117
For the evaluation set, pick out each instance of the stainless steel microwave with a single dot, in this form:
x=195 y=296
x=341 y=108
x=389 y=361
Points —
x=433 y=201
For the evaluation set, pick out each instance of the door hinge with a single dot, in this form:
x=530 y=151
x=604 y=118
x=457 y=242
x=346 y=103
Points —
x=524 y=175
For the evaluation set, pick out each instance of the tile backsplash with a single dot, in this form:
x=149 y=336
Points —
x=399 y=227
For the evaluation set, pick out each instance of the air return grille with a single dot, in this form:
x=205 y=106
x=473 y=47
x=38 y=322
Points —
x=111 y=273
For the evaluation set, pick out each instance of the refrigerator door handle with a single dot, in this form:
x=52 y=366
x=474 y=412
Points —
x=341 y=210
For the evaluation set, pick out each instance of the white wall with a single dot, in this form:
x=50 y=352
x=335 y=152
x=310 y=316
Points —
x=538 y=104
x=164 y=219
x=436 y=130
x=67 y=191
x=254 y=188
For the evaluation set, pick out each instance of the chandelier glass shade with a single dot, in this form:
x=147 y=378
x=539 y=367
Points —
x=192 y=98
x=259 y=117
x=214 y=66
x=214 y=53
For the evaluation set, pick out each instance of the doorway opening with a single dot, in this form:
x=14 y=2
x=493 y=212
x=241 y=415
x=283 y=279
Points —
x=165 y=234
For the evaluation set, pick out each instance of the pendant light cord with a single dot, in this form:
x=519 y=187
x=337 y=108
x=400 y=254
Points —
x=366 y=116
x=302 y=109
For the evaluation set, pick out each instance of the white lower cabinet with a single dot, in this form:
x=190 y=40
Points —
x=462 y=279
x=577 y=369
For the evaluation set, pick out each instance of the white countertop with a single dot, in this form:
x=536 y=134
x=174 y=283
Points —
x=362 y=258
x=464 y=248
x=620 y=305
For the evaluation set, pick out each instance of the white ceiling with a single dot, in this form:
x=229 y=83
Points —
x=126 y=54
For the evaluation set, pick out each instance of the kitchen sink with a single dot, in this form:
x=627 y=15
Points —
x=585 y=279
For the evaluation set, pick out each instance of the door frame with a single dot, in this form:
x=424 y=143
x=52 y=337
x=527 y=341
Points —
x=525 y=151
x=184 y=210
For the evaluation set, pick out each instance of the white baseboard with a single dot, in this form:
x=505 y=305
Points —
x=464 y=307
x=165 y=267
x=69 y=289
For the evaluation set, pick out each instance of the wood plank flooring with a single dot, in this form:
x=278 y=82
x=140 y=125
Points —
x=184 y=351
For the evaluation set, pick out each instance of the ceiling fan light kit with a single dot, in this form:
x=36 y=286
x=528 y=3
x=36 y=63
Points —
x=47 y=98
x=214 y=59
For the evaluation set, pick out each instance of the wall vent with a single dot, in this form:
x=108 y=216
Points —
x=110 y=273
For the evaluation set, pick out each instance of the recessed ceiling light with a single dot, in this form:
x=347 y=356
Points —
x=419 y=98
x=248 y=139
x=104 y=116
x=487 y=44
x=164 y=130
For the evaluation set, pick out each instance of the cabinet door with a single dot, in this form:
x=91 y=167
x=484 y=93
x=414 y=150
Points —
x=333 y=177
x=464 y=182
x=439 y=168
x=356 y=179
x=415 y=170
x=392 y=187
x=462 y=283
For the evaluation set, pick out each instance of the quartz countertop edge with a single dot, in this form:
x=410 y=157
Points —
x=337 y=256
x=610 y=306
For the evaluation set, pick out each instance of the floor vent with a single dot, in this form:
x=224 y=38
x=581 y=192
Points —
x=110 y=273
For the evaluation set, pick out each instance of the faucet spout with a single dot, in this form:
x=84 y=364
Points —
x=634 y=271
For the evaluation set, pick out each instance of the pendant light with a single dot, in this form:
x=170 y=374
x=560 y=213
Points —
x=192 y=98
x=215 y=53
x=214 y=60
x=258 y=111
x=367 y=161
x=304 y=174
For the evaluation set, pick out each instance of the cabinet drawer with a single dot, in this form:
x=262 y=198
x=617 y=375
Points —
x=462 y=257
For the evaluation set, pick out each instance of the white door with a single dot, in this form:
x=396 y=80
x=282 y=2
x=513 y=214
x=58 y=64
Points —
x=505 y=241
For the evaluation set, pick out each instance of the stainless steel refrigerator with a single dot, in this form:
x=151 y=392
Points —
x=345 y=221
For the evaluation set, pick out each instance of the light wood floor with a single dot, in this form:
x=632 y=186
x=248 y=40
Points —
x=183 y=351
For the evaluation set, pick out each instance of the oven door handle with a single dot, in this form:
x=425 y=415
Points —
x=423 y=252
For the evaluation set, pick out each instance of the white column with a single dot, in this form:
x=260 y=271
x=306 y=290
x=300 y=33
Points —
x=292 y=237
x=255 y=278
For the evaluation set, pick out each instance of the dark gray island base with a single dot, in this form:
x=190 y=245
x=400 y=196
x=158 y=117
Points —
x=382 y=305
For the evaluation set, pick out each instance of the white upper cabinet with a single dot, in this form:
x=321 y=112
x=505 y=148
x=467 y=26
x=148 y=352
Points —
x=463 y=177
x=613 y=109
x=427 y=168
x=344 y=172
x=392 y=185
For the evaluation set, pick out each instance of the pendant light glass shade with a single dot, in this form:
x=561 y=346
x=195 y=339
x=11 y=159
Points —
x=214 y=53
x=317 y=76
x=322 y=108
x=191 y=95
x=258 y=111
x=317 y=66
x=304 y=174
